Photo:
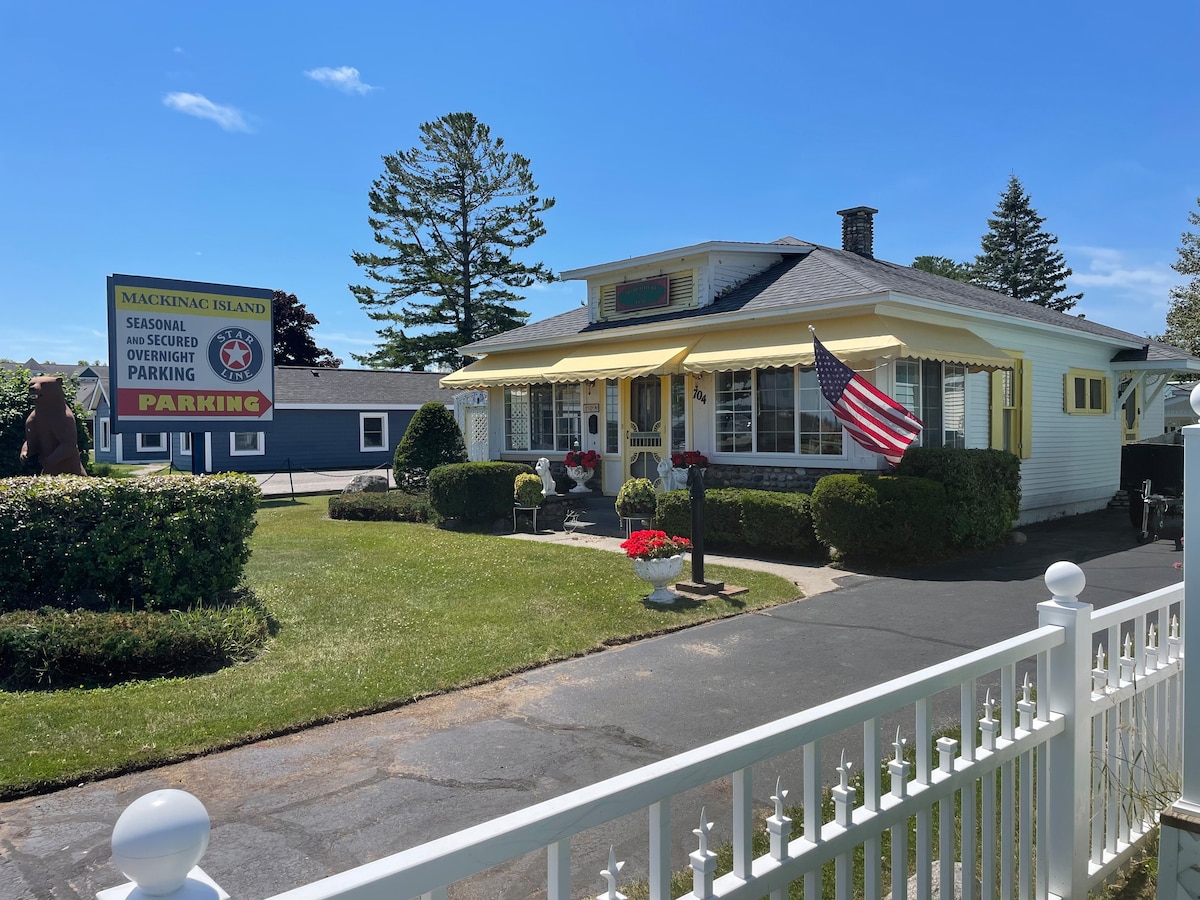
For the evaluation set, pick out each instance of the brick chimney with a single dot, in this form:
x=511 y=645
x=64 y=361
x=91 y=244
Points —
x=858 y=230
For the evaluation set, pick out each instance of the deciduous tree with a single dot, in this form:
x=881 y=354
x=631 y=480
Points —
x=294 y=344
x=450 y=217
x=1183 y=318
x=944 y=266
x=1018 y=255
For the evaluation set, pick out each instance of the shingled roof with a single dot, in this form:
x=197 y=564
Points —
x=825 y=274
x=358 y=387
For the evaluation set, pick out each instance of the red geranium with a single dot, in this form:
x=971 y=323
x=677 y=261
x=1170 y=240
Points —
x=577 y=458
x=688 y=458
x=654 y=545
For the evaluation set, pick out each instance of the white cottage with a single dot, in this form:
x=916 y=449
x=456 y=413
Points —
x=707 y=348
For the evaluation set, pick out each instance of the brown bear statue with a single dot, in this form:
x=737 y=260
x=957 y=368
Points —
x=50 y=432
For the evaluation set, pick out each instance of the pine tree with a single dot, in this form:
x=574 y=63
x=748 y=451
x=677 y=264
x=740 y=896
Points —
x=450 y=215
x=1183 y=318
x=1018 y=256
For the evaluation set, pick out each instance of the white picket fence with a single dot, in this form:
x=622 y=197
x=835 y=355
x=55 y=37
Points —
x=1070 y=746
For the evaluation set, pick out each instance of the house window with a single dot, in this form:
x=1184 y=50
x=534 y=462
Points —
x=185 y=443
x=246 y=443
x=678 y=414
x=151 y=442
x=612 y=420
x=1085 y=393
x=936 y=394
x=542 y=417
x=105 y=441
x=774 y=411
x=372 y=432
x=1012 y=408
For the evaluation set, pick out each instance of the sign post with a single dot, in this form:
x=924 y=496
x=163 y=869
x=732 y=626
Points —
x=187 y=355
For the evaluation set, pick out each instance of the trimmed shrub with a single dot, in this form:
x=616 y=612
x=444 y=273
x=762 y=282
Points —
x=527 y=490
x=432 y=439
x=159 y=543
x=54 y=648
x=476 y=491
x=394 y=506
x=880 y=518
x=983 y=491
x=774 y=522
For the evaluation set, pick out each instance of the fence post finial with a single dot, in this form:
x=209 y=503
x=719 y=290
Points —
x=157 y=842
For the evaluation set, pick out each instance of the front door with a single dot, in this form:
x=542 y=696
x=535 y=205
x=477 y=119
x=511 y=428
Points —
x=645 y=438
x=1131 y=415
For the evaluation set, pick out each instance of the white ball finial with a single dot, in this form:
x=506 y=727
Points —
x=1194 y=399
x=1065 y=580
x=159 y=838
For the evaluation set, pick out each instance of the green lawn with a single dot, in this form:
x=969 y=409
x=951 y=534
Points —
x=372 y=614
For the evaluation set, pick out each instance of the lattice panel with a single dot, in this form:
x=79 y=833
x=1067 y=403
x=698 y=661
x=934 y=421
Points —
x=1187 y=876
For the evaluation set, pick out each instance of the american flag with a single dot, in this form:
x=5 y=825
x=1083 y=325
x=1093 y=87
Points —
x=874 y=419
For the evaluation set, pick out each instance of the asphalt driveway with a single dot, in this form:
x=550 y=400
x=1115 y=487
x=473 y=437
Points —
x=296 y=808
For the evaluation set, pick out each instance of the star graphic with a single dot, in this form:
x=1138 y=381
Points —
x=235 y=355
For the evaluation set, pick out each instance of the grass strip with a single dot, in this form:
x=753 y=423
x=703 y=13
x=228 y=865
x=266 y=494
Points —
x=372 y=616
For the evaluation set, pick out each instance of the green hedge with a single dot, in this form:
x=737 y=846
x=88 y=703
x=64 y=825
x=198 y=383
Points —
x=983 y=491
x=881 y=518
x=393 y=506
x=54 y=648
x=772 y=522
x=157 y=543
x=476 y=491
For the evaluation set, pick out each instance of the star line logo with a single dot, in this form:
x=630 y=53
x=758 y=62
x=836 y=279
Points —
x=235 y=355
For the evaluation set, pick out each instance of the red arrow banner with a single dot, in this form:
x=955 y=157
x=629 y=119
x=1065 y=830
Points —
x=151 y=402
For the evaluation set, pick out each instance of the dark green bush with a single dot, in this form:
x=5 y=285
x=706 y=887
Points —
x=432 y=439
x=150 y=543
x=394 y=506
x=983 y=491
x=55 y=648
x=880 y=518
x=773 y=522
x=474 y=492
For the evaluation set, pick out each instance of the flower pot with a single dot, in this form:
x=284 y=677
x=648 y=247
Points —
x=581 y=475
x=660 y=573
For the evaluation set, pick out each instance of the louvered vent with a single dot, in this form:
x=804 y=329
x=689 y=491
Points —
x=682 y=296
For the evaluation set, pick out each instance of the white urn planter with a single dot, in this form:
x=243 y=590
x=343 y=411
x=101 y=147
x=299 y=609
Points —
x=581 y=475
x=660 y=573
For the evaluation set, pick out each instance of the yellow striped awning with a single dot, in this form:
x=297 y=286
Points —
x=587 y=362
x=860 y=340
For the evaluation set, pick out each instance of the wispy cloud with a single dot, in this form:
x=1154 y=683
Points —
x=1108 y=268
x=343 y=78
x=228 y=117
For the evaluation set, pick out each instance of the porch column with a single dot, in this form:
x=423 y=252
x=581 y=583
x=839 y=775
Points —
x=1179 y=837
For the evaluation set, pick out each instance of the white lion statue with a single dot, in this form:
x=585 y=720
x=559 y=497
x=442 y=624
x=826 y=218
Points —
x=670 y=478
x=543 y=470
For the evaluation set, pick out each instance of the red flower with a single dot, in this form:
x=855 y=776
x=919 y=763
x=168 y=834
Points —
x=649 y=544
x=577 y=458
x=688 y=458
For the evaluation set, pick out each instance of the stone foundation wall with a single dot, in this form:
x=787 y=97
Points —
x=769 y=478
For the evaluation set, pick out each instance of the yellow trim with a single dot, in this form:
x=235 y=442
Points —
x=1070 y=407
x=1020 y=413
x=861 y=340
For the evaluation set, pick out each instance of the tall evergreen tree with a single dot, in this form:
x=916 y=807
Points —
x=1183 y=318
x=450 y=215
x=292 y=337
x=1018 y=255
x=944 y=266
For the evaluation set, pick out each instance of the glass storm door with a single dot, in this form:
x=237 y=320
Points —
x=644 y=439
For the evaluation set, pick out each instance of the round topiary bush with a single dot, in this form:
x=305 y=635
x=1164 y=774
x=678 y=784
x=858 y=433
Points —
x=636 y=498
x=527 y=490
x=432 y=439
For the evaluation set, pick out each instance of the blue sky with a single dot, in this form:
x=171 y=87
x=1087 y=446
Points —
x=236 y=142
